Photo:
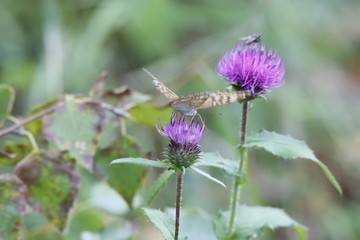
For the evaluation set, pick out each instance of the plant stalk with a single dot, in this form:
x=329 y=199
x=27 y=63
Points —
x=242 y=169
x=31 y=118
x=178 y=203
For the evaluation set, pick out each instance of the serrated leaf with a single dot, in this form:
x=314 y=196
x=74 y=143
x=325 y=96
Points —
x=126 y=179
x=208 y=176
x=7 y=97
x=250 y=222
x=75 y=127
x=149 y=115
x=52 y=184
x=288 y=148
x=216 y=160
x=143 y=162
x=12 y=206
x=159 y=184
x=162 y=221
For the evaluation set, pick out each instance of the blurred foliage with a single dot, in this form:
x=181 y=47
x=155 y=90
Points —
x=48 y=48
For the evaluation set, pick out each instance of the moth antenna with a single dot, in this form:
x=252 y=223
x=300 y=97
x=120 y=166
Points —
x=150 y=74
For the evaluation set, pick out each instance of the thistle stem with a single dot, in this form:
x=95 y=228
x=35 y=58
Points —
x=178 y=203
x=242 y=169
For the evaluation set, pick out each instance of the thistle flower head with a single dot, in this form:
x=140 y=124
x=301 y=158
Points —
x=184 y=136
x=251 y=67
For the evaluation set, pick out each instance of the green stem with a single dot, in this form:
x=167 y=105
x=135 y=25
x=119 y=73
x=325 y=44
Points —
x=29 y=135
x=178 y=203
x=242 y=170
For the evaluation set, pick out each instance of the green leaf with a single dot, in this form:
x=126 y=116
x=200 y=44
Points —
x=159 y=184
x=75 y=127
x=216 y=160
x=208 y=176
x=110 y=130
x=149 y=115
x=125 y=179
x=288 y=148
x=7 y=97
x=52 y=184
x=162 y=221
x=12 y=206
x=35 y=126
x=12 y=153
x=143 y=162
x=251 y=221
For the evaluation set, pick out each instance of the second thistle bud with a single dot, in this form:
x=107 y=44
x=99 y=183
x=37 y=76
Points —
x=183 y=149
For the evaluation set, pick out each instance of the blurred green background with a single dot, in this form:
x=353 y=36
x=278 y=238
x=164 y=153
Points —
x=51 y=47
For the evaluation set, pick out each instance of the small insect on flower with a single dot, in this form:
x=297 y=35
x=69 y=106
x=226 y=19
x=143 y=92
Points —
x=251 y=67
x=188 y=105
x=254 y=38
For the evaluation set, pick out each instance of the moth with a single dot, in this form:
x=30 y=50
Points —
x=254 y=38
x=188 y=105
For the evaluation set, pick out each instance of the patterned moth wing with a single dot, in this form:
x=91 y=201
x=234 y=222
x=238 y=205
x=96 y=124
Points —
x=187 y=105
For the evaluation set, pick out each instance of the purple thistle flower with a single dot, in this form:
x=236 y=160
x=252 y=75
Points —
x=184 y=136
x=251 y=67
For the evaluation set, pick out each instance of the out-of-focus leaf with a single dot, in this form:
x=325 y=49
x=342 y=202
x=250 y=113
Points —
x=44 y=232
x=75 y=127
x=52 y=184
x=97 y=88
x=12 y=153
x=216 y=160
x=149 y=115
x=12 y=206
x=159 y=184
x=35 y=126
x=89 y=219
x=208 y=176
x=162 y=221
x=7 y=97
x=126 y=179
x=125 y=97
x=110 y=130
x=288 y=148
x=251 y=221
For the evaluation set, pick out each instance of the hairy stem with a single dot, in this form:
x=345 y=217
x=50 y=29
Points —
x=178 y=203
x=239 y=180
x=31 y=118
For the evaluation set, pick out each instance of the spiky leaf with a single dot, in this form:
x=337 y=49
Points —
x=250 y=222
x=162 y=221
x=288 y=148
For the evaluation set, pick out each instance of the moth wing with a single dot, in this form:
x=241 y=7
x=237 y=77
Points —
x=170 y=95
x=212 y=99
